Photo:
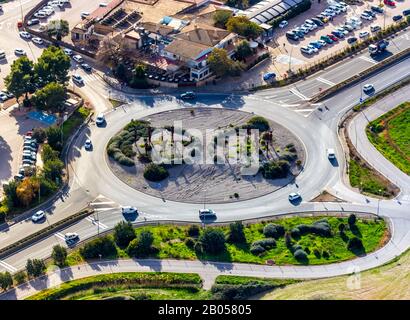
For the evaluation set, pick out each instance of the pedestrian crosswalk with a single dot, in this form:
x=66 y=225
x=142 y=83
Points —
x=102 y=203
x=368 y=59
x=7 y=266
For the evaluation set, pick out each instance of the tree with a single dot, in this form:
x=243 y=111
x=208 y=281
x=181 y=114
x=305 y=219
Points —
x=20 y=80
x=54 y=137
x=53 y=169
x=59 y=255
x=103 y=246
x=51 y=97
x=155 y=172
x=242 y=26
x=6 y=280
x=142 y=245
x=259 y=123
x=123 y=234
x=243 y=50
x=10 y=190
x=355 y=244
x=26 y=191
x=58 y=29
x=220 y=63
x=20 y=277
x=48 y=153
x=221 y=17
x=39 y=134
x=212 y=240
x=52 y=66
x=35 y=267
x=236 y=233
x=341 y=227
x=352 y=219
x=139 y=80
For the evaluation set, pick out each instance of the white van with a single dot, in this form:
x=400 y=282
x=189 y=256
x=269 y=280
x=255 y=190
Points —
x=2 y=54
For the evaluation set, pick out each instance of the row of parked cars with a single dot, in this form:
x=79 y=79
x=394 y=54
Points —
x=48 y=9
x=29 y=158
x=77 y=79
x=311 y=24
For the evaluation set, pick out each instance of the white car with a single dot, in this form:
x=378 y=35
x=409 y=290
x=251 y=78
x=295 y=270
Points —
x=283 y=24
x=366 y=16
x=294 y=196
x=329 y=12
x=375 y=28
x=100 y=119
x=335 y=9
x=78 y=58
x=84 y=15
x=37 y=40
x=3 y=97
x=129 y=210
x=38 y=216
x=322 y=42
x=306 y=50
x=342 y=30
x=40 y=15
x=313 y=48
x=368 y=87
x=78 y=79
x=70 y=236
x=20 y=52
x=364 y=34
x=88 y=144
x=103 y=4
x=68 y=52
x=331 y=153
x=206 y=213
x=356 y=20
x=25 y=34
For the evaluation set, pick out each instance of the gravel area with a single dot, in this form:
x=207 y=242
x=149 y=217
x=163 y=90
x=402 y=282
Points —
x=208 y=182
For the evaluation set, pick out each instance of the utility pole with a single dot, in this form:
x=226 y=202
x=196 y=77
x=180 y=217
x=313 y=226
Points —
x=378 y=204
x=290 y=60
x=204 y=198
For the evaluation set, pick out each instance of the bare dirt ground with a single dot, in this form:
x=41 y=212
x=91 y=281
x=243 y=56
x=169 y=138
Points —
x=218 y=183
x=326 y=197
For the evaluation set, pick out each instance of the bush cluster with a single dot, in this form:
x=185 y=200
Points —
x=103 y=246
x=155 y=172
x=275 y=169
x=273 y=231
x=320 y=227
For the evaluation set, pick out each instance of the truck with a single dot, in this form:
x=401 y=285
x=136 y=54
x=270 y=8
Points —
x=378 y=47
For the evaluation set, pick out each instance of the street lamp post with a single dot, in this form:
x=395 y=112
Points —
x=378 y=204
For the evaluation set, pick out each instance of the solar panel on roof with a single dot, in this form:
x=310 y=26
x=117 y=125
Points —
x=285 y=6
x=273 y=12
x=279 y=9
x=261 y=18
x=267 y=15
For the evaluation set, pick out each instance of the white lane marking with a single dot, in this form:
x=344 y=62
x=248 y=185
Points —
x=103 y=209
x=367 y=59
x=291 y=105
x=59 y=235
x=93 y=221
x=330 y=83
x=102 y=202
x=7 y=266
x=304 y=110
x=298 y=94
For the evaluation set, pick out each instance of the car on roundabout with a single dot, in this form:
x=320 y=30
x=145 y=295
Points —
x=294 y=196
x=100 y=119
x=129 y=210
x=205 y=214
x=189 y=95
x=269 y=76
x=88 y=144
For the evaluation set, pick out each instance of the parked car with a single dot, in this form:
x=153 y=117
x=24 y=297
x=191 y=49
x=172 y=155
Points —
x=38 y=216
x=366 y=16
x=397 y=17
x=33 y=22
x=283 y=24
x=322 y=42
x=37 y=40
x=375 y=28
x=306 y=50
x=84 y=15
x=86 y=67
x=316 y=44
x=347 y=27
x=294 y=196
x=299 y=33
x=313 y=48
x=318 y=22
x=406 y=12
x=323 y=18
x=363 y=34
x=189 y=95
x=342 y=30
x=78 y=58
x=77 y=79
x=100 y=119
x=206 y=214
x=25 y=34
x=68 y=52
x=351 y=40
x=338 y=34
x=332 y=36
x=3 y=97
x=129 y=210
x=335 y=9
x=269 y=76
x=292 y=35
x=326 y=39
x=20 y=52
x=370 y=13
x=377 y=9
x=368 y=88
x=389 y=3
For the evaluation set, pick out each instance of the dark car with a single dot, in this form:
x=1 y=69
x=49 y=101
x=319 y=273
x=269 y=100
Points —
x=398 y=17
x=300 y=34
x=32 y=22
x=317 y=21
x=377 y=9
x=326 y=39
x=338 y=34
x=370 y=13
x=406 y=12
x=188 y=95
x=351 y=40
x=292 y=35
x=86 y=67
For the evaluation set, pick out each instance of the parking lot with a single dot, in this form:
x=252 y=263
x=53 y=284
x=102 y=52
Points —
x=289 y=54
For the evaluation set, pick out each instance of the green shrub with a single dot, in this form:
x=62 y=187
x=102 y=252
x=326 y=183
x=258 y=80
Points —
x=355 y=244
x=275 y=169
x=257 y=249
x=103 y=246
x=300 y=255
x=236 y=233
x=273 y=231
x=267 y=243
x=259 y=123
x=190 y=243
x=212 y=240
x=35 y=267
x=59 y=255
x=141 y=246
x=123 y=233
x=20 y=277
x=193 y=230
x=154 y=172
x=352 y=219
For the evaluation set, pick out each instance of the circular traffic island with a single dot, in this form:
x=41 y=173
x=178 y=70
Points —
x=200 y=155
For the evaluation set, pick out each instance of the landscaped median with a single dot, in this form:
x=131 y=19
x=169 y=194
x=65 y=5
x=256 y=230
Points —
x=293 y=240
